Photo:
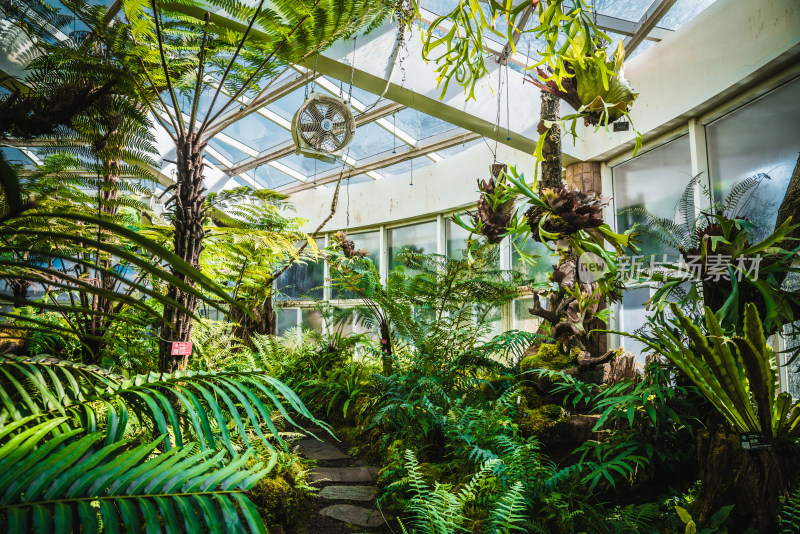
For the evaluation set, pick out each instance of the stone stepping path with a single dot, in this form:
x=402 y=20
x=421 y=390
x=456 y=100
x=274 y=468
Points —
x=348 y=493
x=346 y=480
x=344 y=474
x=321 y=450
x=354 y=515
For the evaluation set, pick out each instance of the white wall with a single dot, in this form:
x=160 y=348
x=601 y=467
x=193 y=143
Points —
x=448 y=184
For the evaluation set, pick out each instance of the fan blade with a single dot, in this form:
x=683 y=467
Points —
x=331 y=112
x=339 y=128
x=315 y=112
x=325 y=137
x=309 y=127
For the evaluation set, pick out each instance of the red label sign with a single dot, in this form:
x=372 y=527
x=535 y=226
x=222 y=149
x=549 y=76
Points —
x=181 y=348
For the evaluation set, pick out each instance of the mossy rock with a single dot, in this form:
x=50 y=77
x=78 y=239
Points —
x=539 y=421
x=549 y=356
x=529 y=398
x=278 y=502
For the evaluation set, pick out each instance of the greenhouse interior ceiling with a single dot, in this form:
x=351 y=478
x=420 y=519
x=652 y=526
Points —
x=400 y=266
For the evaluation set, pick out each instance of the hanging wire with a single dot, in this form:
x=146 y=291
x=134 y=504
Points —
x=347 y=210
x=497 y=117
x=508 y=113
x=394 y=133
x=411 y=161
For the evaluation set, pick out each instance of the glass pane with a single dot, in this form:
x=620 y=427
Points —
x=311 y=319
x=405 y=167
x=536 y=269
x=369 y=241
x=233 y=155
x=287 y=318
x=257 y=132
x=523 y=320
x=415 y=238
x=493 y=319
x=303 y=280
x=623 y=9
x=371 y=139
x=633 y=316
x=419 y=125
x=682 y=12
x=760 y=138
x=655 y=182
x=456 y=239
x=272 y=178
x=309 y=166
x=286 y=106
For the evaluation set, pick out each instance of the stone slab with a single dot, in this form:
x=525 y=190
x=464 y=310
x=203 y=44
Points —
x=321 y=450
x=343 y=474
x=354 y=515
x=348 y=493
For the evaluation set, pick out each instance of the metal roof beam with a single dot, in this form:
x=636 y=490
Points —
x=288 y=148
x=379 y=163
x=654 y=13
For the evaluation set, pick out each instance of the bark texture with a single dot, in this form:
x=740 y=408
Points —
x=386 y=349
x=551 y=150
x=264 y=322
x=753 y=481
x=188 y=242
x=98 y=323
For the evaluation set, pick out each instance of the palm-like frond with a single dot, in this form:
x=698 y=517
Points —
x=209 y=402
x=52 y=483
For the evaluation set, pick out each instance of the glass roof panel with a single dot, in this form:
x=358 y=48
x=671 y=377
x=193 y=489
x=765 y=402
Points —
x=306 y=166
x=371 y=139
x=232 y=154
x=257 y=132
x=358 y=179
x=14 y=155
x=287 y=105
x=365 y=97
x=631 y=10
x=272 y=178
x=457 y=149
x=404 y=167
x=420 y=125
x=682 y=12
x=644 y=45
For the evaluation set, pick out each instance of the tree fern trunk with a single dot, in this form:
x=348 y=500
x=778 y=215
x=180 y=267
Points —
x=188 y=242
x=551 y=150
x=264 y=323
x=753 y=481
x=103 y=307
x=386 y=348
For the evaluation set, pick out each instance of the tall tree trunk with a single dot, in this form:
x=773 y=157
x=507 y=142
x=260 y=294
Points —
x=753 y=481
x=386 y=349
x=551 y=150
x=264 y=323
x=188 y=241
x=98 y=323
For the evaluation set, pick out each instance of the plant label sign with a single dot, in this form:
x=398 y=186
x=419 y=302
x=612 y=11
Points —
x=754 y=441
x=181 y=348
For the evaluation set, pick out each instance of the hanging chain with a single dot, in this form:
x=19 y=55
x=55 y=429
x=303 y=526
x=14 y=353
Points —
x=313 y=80
x=352 y=70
